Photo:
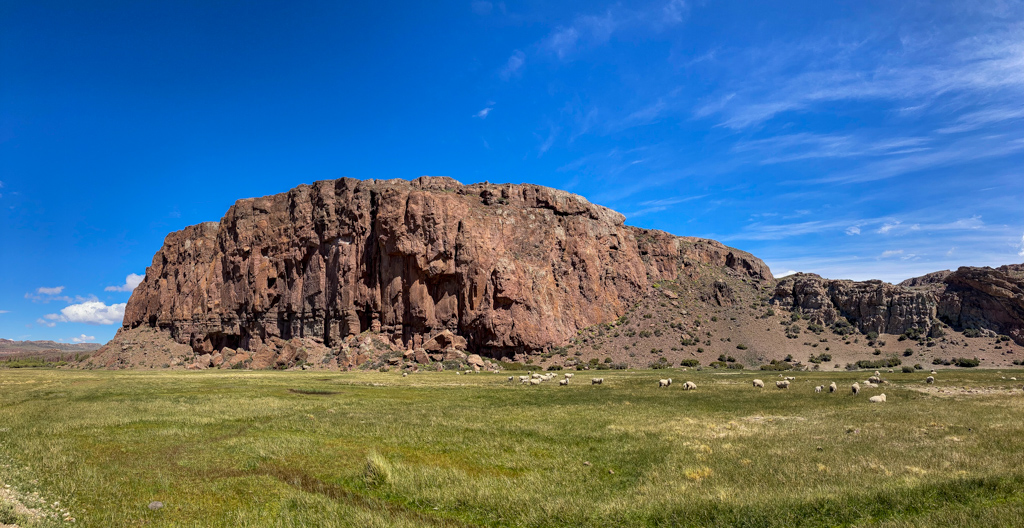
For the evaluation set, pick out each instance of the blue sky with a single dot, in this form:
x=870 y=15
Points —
x=850 y=139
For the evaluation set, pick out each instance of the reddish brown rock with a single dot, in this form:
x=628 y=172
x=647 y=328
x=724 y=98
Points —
x=505 y=269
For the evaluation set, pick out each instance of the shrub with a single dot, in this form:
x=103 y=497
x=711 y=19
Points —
x=741 y=346
x=908 y=352
x=820 y=358
x=816 y=328
x=972 y=332
x=907 y=369
x=872 y=335
x=877 y=352
x=777 y=365
x=618 y=366
x=661 y=363
x=789 y=358
x=607 y=360
x=794 y=317
x=967 y=363
x=879 y=363
x=718 y=364
x=843 y=327
x=686 y=341
x=645 y=333
x=554 y=367
x=689 y=363
x=914 y=333
x=917 y=366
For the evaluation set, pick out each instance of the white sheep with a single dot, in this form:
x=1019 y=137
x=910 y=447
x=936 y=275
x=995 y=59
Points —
x=535 y=376
x=855 y=388
x=662 y=383
x=878 y=373
x=510 y=378
x=790 y=378
x=670 y=382
x=933 y=371
x=596 y=381
x=784 y=384
x=818 y=388
x=832 y=387
x=758 y=384
x=877 y=399
x=689 y=385
x=563 y=382
x=405 y=374
x=876 y=379
x=929 y=380
x=569 y=375
x=535 y=381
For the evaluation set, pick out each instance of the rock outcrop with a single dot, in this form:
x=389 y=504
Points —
x=970 y=297
x=428 y=264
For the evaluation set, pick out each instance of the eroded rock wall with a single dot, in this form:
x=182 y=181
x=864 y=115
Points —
x=509 y=268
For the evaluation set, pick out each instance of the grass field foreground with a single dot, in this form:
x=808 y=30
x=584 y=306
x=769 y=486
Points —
x=234 y=448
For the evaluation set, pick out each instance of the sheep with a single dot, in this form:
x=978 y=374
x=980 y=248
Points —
x=784 y=384
x=510 y=378
x=855 y=388
x=889 y=371
x=933 y=372
x=662 y=383
x=877 y=374
x=818 y=388
x=929 y=380
x=596 y=381
x=535 y=381
x=758 y=384
x=875 y=379
x=563 y=382
x=689 y=385
x=877 y=399
x=535 y=376
x=524 y=379
x=790 y=378
x=832 y=387
x=569 y=375
x=670 y=382
x=405 y=374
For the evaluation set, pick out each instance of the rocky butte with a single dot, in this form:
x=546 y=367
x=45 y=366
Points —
x=430 y=270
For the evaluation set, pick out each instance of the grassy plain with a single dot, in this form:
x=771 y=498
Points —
x=236 y=448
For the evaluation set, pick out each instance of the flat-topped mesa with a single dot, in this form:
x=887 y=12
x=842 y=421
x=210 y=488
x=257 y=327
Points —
x=509 y=268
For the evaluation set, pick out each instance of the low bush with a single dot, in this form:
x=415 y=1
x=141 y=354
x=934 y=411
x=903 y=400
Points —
x=967 y=363
x=689 y=363
x=879 y=363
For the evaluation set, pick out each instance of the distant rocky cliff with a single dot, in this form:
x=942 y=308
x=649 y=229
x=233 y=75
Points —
x=506 y=269
x=979 y=298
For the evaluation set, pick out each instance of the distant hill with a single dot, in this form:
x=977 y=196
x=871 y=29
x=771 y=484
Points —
x=44 y=349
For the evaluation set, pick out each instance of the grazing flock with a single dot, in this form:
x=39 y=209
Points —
x=873 y=381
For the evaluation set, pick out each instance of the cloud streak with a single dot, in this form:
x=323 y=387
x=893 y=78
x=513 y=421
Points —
x=91 y=312
x=130 y=282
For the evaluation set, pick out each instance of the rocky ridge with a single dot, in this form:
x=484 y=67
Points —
x=429 y=272
x=502 y=271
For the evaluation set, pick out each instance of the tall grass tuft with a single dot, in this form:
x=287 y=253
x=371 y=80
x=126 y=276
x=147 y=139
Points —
x=379 y=471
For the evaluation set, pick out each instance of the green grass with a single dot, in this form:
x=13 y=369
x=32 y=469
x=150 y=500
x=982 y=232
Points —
x=232 y=448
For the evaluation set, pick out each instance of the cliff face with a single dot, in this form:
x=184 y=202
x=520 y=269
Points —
x=509 y=268
x=981 y=298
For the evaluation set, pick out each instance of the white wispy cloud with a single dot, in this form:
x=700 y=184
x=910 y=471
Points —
x=44 y=322
x=50 y=291
x=654 y=206
x=973 y=65
x=853 y=230
x=83 y=339
x=130 y=282
x=482 y=114
x=91 y=312
x=513 y=65
x=975 y=120
x=4 y=311
x=1021 y=252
